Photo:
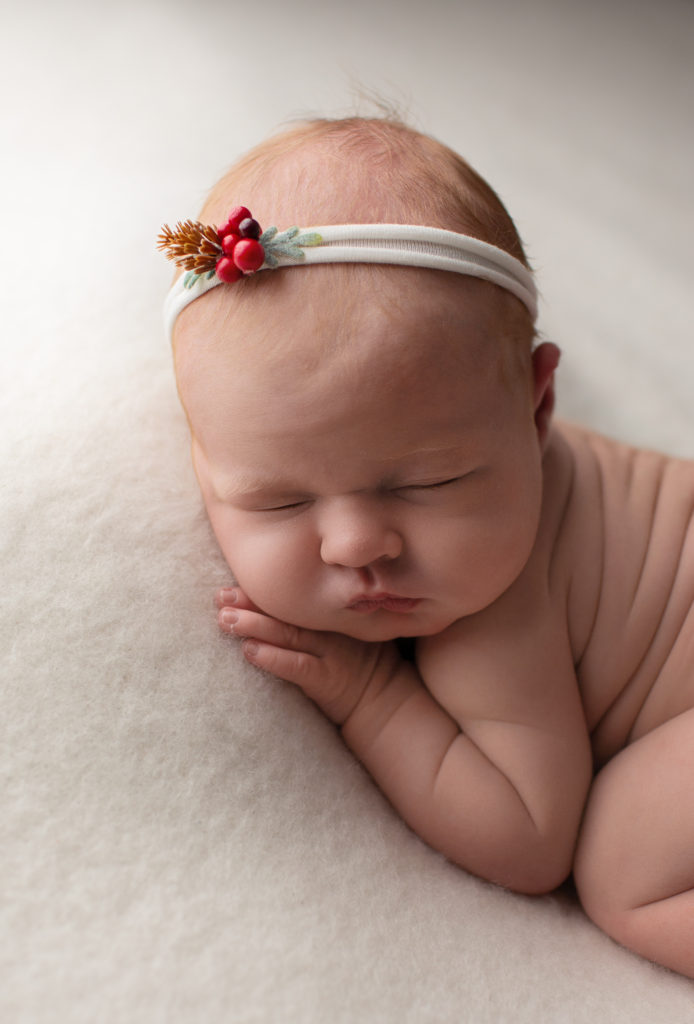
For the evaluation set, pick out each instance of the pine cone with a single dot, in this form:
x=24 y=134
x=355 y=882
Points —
x=191 y=245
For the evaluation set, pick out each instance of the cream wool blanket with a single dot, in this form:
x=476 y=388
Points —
x=183 y=839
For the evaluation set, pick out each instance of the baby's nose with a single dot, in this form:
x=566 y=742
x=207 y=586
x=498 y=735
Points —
x=357 y=536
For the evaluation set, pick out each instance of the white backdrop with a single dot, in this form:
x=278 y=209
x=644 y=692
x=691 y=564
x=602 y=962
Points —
x=184 y=840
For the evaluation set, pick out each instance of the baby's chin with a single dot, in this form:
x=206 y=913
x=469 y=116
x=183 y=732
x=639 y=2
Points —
x=382 y=627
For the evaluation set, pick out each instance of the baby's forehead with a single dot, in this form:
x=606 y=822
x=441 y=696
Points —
x=350 y=326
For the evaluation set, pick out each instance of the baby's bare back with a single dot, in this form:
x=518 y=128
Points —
x=626 y=550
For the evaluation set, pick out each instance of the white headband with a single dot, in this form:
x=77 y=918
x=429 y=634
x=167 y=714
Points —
x=397 y=244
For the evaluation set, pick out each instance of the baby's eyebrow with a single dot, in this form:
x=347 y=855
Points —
x=249 y=484
x=425 y=458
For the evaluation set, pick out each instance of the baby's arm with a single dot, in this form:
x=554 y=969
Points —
x=489 y=759
x=482 y=747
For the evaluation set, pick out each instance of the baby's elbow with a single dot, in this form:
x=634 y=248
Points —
x=541 y=858
x=535 y=869
x=535 y=881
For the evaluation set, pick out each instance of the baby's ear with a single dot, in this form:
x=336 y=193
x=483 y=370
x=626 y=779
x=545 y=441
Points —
x=545 y=361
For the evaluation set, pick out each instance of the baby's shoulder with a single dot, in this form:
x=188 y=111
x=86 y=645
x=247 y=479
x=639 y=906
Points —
x=629 y=489
x=625 y=555
x=619 y=492
x=618 y=517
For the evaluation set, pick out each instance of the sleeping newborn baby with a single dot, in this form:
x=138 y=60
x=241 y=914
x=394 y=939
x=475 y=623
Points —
x=496 y=609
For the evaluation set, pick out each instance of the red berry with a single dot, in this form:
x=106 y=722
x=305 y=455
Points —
x=249 y=255
x=238 y=214
x=228 y=243
x=249 y=228
x=227 y=270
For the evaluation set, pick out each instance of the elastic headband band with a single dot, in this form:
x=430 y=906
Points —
x=215 y=256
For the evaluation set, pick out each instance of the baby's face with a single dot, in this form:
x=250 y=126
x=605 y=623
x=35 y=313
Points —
x=365 y=465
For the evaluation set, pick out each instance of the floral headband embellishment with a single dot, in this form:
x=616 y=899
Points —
x=233 y=251
x=214 y=256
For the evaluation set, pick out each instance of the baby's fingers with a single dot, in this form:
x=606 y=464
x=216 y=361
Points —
x=296 y=667
x=244 y=622
x=272 y=645
x=233 y=597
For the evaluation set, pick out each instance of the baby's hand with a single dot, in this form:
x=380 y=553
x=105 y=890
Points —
x=333 y=670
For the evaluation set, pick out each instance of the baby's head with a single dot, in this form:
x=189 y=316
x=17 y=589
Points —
x=367 y=437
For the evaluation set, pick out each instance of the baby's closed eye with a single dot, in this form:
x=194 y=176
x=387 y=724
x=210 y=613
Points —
x=433 y=485
x=442 y=486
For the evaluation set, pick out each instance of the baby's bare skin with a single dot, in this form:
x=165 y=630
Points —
x=571 y=650
x=631 y=616
x=375 y=466
x=630 y=513
x=616 y=551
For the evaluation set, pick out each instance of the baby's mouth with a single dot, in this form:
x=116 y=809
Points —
x=388 y=602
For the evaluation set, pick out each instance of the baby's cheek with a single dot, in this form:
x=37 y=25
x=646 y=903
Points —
x=268 y=573
x=483 y=561
x=508 y=555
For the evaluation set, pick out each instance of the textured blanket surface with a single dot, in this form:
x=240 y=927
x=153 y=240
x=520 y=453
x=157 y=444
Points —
x=184 y=839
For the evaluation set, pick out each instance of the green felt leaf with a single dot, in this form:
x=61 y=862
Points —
x=288 y=245
x=191 y=278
